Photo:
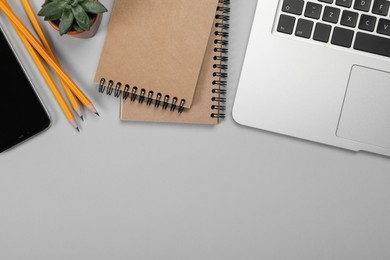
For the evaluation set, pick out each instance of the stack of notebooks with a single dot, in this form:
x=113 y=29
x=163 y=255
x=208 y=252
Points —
x=166 y=60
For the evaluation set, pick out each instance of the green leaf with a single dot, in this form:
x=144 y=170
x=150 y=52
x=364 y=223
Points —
x=53 y=17
x=81 y=17
x=77 y=28
x=93 y=7
x=53 y=8
x=66 y=23
x=45 y=4
x=74 y=3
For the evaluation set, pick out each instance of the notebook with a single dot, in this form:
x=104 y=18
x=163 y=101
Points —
x=149 y=41
x=208 y=103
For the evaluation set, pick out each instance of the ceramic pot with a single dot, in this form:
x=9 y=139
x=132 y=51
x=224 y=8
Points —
x=84 y=34
x=96 y=21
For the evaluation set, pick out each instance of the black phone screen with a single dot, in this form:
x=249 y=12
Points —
x=22 y=113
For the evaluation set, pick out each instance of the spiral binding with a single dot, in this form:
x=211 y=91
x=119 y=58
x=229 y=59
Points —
x=134 y=94
x=220 y=74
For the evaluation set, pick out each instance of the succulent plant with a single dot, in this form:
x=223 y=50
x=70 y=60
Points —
x=71 y=14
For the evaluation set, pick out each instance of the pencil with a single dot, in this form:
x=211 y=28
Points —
x=40 y=49
x=45 y=73
x=41 y=34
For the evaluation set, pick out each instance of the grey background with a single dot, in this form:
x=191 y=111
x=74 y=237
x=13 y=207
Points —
x=155 y=191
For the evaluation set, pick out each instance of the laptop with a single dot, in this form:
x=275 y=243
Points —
x=319 y=70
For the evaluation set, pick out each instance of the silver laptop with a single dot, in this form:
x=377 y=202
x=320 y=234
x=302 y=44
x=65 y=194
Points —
x=319 y=70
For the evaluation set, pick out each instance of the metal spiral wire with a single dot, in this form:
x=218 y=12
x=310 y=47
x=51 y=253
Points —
x=220 y=74
x=134 y=94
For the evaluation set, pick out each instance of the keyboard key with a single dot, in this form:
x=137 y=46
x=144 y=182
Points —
x=313 y=10
x=304 y=28
x=381 y=7
x=349 y=18
x=344 y=3
x=384 y=27
x=326 y=1
x=331 y=14
x=286 y=24
x=322 y=32
x=362 y=5
x=342 y=37
x=372 y=43
x=367 y=23
x=293 y=6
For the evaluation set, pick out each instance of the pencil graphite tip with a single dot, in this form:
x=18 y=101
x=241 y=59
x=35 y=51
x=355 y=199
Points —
x=79 y=112
x=74 y=124
x=92 y=109
x=78 y=129
x=97 y=114
x=82 y=118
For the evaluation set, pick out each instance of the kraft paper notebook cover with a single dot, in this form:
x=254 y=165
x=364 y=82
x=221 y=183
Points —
x=207 y=107
x=155 y=48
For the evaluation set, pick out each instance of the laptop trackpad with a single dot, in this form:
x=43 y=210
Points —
x=366 y=113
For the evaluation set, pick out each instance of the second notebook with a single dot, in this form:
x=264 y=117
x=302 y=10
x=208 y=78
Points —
x=155 y=48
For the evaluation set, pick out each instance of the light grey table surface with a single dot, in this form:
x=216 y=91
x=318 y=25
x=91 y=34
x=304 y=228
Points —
x=159 y=191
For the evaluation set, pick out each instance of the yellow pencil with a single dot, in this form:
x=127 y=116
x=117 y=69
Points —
x=41 y=50
x=41 y=34
x=45 y=73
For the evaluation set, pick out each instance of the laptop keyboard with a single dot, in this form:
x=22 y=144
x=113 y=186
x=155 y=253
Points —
x=363 y=25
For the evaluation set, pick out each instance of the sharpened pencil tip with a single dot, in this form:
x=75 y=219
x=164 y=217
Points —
x=82 y=118
x=74 y=124
x=92 y=109
x=79 y=112
x=97 y=114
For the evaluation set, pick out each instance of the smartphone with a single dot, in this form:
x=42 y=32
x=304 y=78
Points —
x=22 y=112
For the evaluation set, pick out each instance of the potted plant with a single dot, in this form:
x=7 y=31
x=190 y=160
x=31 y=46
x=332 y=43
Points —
x=78 y=18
